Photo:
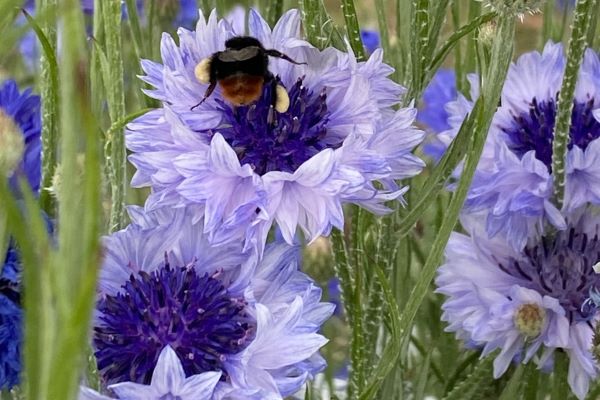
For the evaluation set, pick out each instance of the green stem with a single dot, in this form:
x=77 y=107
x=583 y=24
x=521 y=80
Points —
x=560 y=387
x=483 y=112
x=353 y=29
x=111 y=15
x=577 y=46
x=49 y=94
x=420 y=45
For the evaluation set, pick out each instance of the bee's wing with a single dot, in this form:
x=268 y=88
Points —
x=239 y=55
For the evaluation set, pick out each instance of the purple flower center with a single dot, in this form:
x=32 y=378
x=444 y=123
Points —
x=193 y=314
x=533 y=130
x=272 y=141
x=561 y=267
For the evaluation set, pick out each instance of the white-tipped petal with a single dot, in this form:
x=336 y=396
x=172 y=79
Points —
x=283 y=100
x=202 y=70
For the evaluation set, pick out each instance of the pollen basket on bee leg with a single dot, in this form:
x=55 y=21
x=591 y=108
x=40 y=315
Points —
x=202 y=70
x=282 y=102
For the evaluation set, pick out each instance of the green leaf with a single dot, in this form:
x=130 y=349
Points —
x=466 y=389
x=560 y=386
x=511 y=390
x=453 y=41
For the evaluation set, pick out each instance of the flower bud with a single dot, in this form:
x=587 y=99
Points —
x=530 y=319
x=12 y=145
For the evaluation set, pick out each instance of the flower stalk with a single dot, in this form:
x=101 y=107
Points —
x=111 y=15
x=577 y=46
x=501 y=53
x=49 y=96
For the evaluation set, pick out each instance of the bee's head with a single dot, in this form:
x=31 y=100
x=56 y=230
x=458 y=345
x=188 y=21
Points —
x=241 y=42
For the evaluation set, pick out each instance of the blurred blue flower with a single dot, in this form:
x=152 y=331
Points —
x=168 y=381
x=440 y=91
x=341 y=141
x=185 y=16
x=370 y=40
x=570 y=4
x=20 y=156
x=528 y=302
x=20 y=135
x=28 y=46
x=514 y=180
x=11 y=316
x=219 y=308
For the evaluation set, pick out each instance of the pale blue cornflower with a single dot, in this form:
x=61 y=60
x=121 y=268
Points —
x=340 y=141
x=529 y=303
x=218 y=308
x=514 y=181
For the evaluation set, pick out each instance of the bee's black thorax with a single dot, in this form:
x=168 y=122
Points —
x=242 y=55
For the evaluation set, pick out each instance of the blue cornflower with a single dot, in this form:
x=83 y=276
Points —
x=20 y=156
x=340 y=141
x=186 y=13
x=219 y=308
x=168 y=381
x=20 y=135
x=11 y=316
x=370 y=40
x=433 y=114
x=514 y=180
x=526 y=302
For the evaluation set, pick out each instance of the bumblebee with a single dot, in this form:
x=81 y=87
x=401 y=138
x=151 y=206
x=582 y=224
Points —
x=241 y=70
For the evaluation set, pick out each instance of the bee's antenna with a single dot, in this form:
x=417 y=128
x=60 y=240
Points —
x=278 y=54
x=207 y=94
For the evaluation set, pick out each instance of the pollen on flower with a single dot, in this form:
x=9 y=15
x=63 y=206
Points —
x=530 y=319
x=12 y=144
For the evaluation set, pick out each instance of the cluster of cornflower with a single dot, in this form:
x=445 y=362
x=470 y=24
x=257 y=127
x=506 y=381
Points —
x=193 y=301
x=522 y=282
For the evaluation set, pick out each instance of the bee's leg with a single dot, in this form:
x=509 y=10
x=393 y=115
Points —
x=278 y=54
x=207 y=94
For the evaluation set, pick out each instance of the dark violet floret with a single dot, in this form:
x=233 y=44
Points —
x=272 y=141
x=193 y=314
x=534 y=130
x=11 y=316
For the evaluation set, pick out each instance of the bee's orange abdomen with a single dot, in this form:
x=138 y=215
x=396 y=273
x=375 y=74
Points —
x=241 y=89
